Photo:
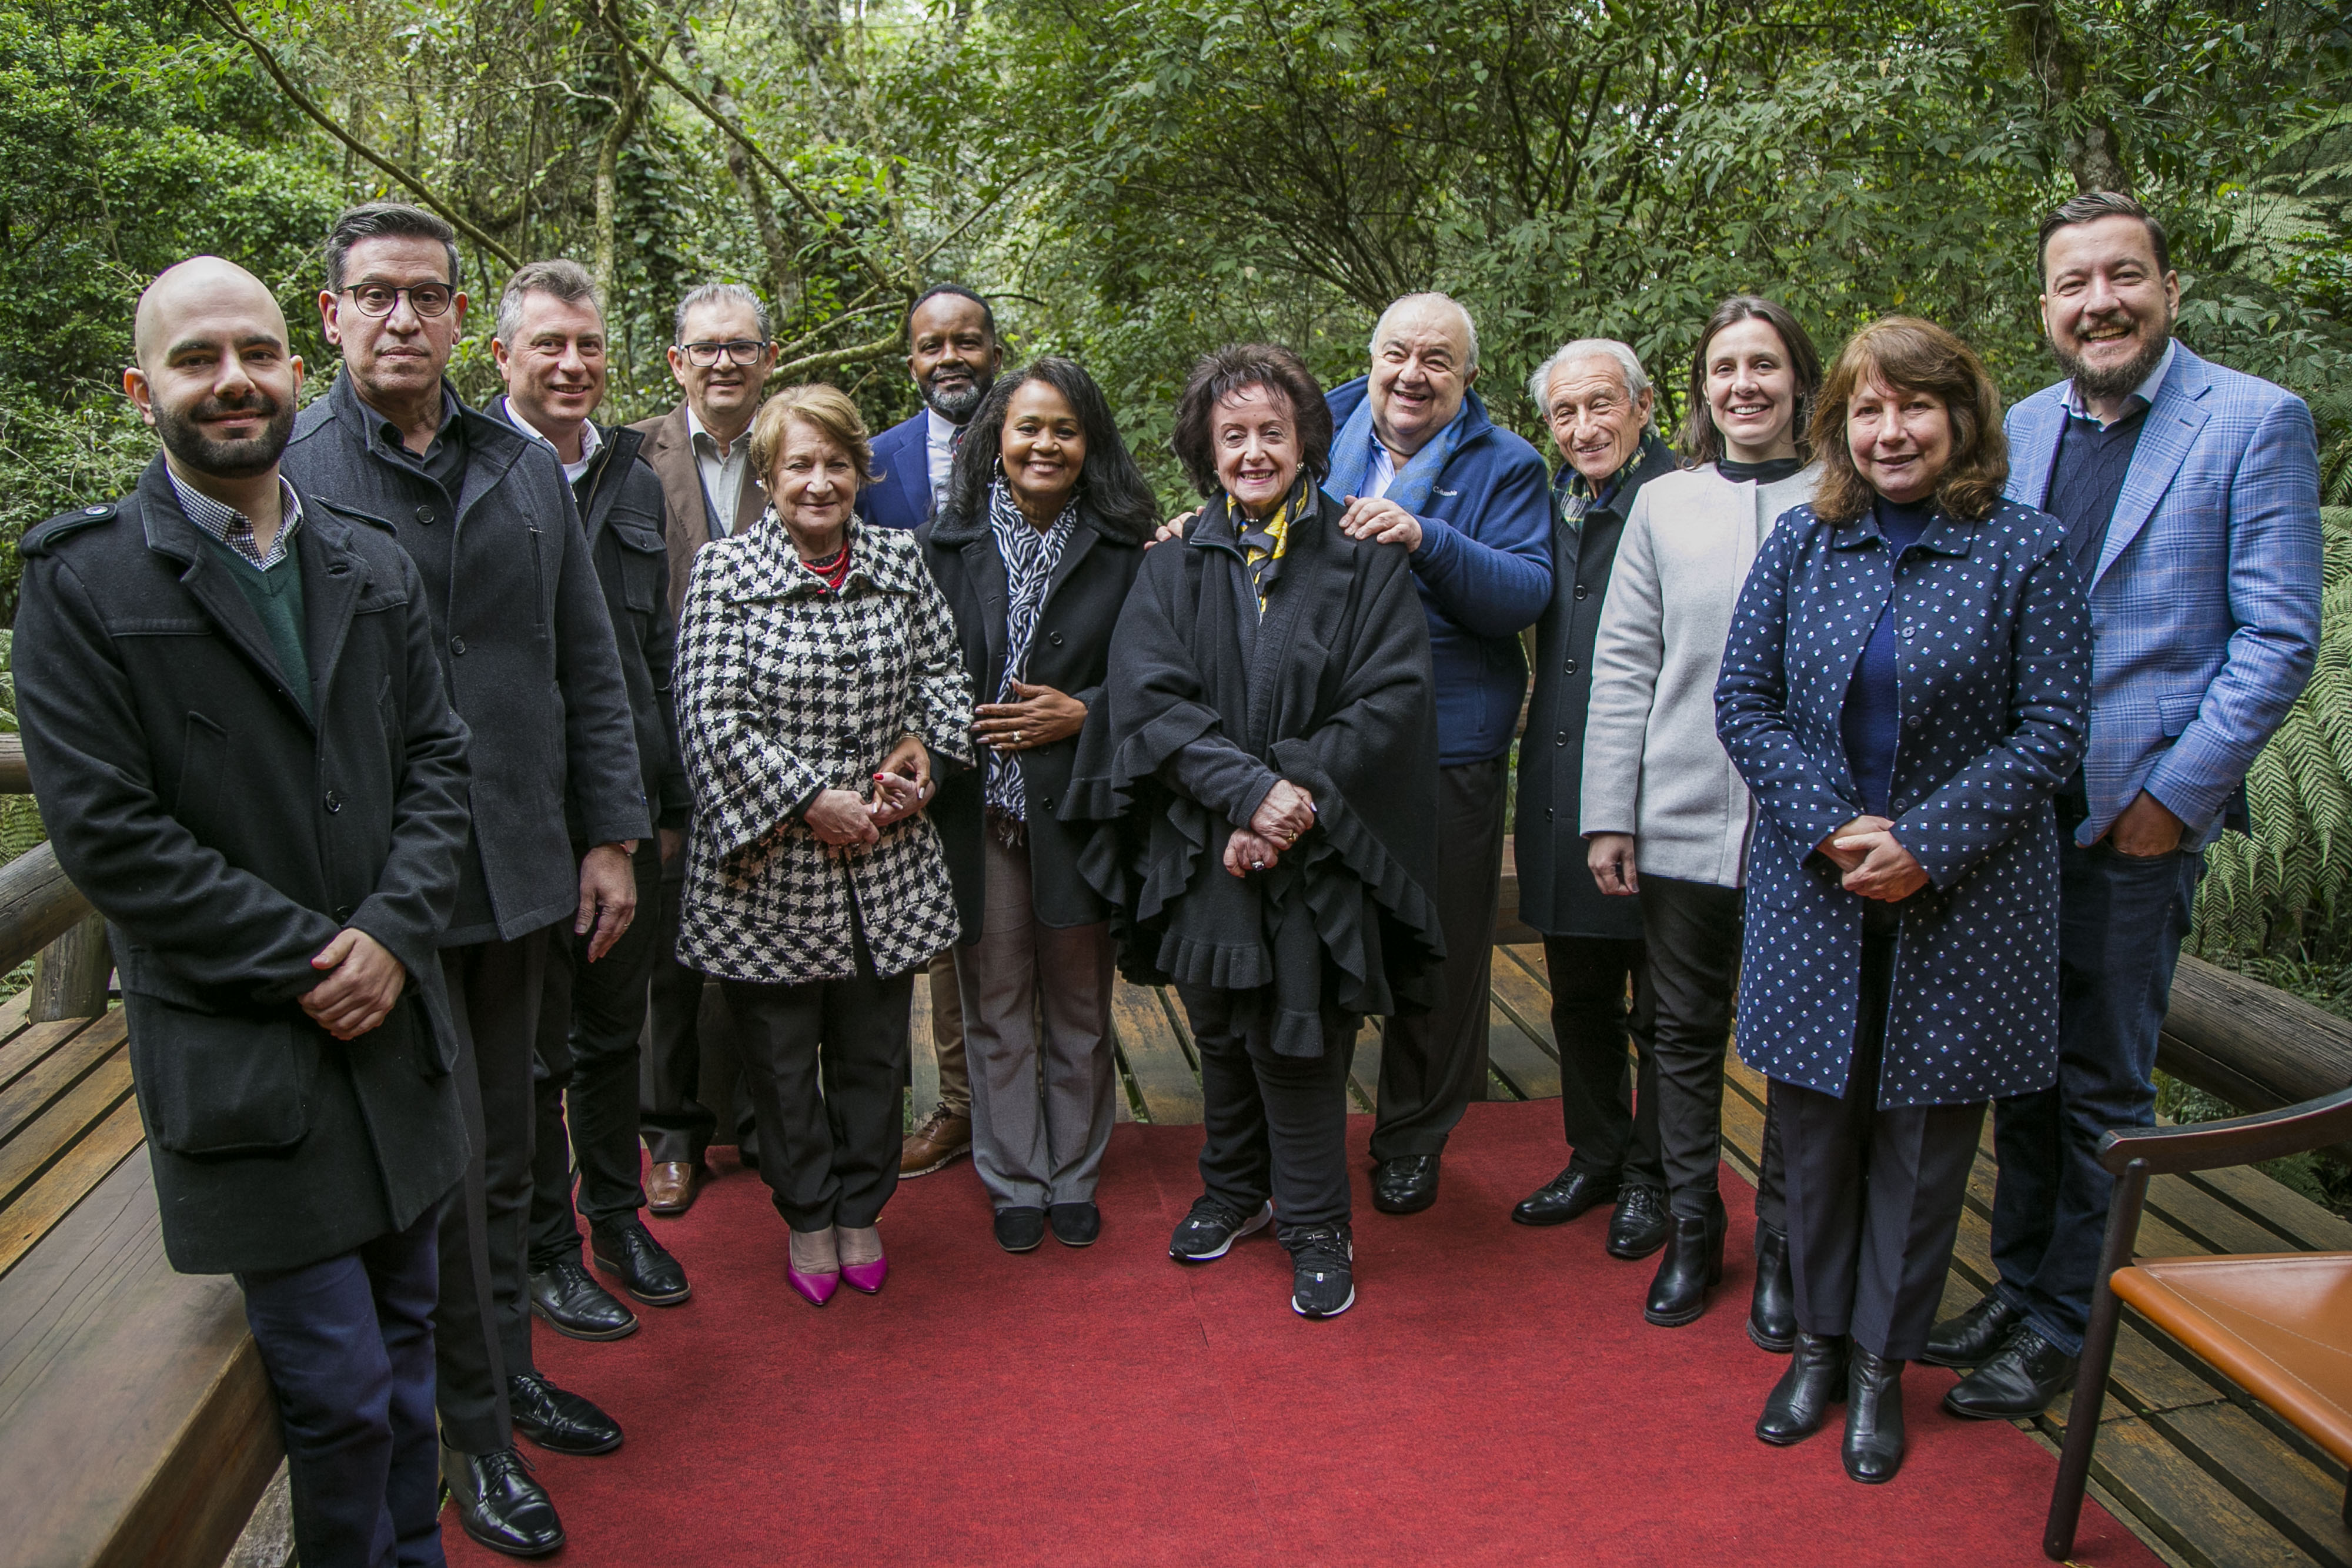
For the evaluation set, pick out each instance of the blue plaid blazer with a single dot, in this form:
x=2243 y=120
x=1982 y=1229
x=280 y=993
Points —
x=2205 y=603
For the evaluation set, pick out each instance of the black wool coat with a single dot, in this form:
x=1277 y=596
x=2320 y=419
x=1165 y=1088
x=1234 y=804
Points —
x=226 y=837
x=1556 y=894
x=526 y=648
x=1070 y=653
x=1205 y=708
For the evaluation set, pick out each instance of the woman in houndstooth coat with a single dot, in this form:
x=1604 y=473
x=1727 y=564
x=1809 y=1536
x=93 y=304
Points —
x=818 y=679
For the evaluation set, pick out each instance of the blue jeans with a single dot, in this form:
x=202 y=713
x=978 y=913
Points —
x=348 y=1344
x=2121 y=920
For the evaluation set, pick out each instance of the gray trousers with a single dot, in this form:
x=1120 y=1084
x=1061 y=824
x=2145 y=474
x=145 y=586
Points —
x=1036 y=1042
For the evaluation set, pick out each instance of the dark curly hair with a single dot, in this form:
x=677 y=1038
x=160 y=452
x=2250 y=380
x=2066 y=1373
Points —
x=1228 y=371
x=1702 y=443
x=1111 y=484
x=1913 y=355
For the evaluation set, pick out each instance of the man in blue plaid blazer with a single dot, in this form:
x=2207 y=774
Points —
x=2190 y=495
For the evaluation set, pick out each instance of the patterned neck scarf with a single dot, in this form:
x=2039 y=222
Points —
x=1580 y=497
x=1029 y=559
x=1264 y=543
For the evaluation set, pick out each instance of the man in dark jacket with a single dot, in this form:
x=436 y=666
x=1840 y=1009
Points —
x=1598 y=403
x=1419 y=463
x=236 y=721
x=528 y=654
x=549 y=348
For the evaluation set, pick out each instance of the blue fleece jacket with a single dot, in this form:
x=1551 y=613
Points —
x=1484 y=569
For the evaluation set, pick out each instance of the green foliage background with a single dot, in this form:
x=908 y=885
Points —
x=1135 y=181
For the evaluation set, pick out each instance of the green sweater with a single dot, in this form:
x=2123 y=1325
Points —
x=275 y=596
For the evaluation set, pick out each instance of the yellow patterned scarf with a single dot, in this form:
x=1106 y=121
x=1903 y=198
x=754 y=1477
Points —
x=1264 y=543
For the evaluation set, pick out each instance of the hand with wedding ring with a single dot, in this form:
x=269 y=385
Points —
x=1285 y=813
x=902 y=785
x=1246 y=852
x=1042 y=716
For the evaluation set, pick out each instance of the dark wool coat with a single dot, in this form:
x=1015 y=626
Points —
x=1993 y=685
x=1070 y=651
x=685 y=508
x=1202 y=712
x=526 y=648
x=785 y=690
x=1556 y=894
x=228 y=837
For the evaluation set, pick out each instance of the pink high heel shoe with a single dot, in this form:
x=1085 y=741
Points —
x=864 y=1276
x=817 y=1283
x=814 y=1288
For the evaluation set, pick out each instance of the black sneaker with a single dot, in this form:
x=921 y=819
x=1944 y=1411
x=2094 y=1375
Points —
x=1322 y=1270
x=1210 y=1231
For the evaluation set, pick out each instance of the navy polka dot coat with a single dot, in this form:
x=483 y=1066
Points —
x=1993 y=685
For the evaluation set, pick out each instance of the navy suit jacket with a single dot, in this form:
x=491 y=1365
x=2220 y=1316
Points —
x=900 y=495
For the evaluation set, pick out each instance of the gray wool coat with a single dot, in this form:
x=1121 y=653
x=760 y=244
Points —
x=227 y=836
x=526 y=648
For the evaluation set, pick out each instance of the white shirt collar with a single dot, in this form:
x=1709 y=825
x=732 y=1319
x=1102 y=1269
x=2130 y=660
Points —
x=696 y=433
x=939 y=429
x=591 y=441
x=2145 y=392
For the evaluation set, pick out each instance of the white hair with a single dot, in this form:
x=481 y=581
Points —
x=1629 y=371
x=1469 y=327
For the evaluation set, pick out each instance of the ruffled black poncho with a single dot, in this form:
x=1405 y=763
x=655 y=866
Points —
x=1206 y=705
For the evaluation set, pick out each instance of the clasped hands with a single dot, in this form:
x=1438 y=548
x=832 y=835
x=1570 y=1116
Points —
x=1285 y=813
x=1874 y=863
x=902 y=786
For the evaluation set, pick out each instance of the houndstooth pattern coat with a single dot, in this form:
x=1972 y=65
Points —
x=783 y=690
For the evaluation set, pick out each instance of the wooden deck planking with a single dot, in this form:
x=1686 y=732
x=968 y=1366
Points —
x=1531 y=1072
x=1153 y=1053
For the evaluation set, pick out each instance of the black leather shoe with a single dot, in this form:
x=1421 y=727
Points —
x=573 y=1304
x=1773 y=1311
x=1020 y=1229
x=1873 y=1417
x=1799 y=1404
x=1075 y=1224
x=559 y=1422
x=1692 y=1266
x=499 y=1505
x=645 y=1268
x=1640 y=1225
x=2023 y=1380
x=1406 y=1185
x=1974 y=1337
x=1564 y=1198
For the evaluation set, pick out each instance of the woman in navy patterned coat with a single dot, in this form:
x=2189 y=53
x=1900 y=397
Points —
x=1905 y=684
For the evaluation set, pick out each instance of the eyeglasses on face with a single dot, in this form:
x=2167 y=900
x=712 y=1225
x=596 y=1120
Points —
x=740 y=350
x=384 y=298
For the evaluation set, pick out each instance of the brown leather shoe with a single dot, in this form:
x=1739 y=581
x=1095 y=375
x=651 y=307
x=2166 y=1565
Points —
x=939 y=1138
x=670 y=1185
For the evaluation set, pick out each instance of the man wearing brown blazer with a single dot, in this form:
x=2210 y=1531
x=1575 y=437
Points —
x=721 y=353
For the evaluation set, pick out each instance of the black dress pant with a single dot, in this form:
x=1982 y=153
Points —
x=1433 y=1064
x=1609 y=1109
x=1274 y=1126
x=680 y=1098
x=482 y=1325
x=825 y=1068
x=1875 y=1194
x=590 y=1021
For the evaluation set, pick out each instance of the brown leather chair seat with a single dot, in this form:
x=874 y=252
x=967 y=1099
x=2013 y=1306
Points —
x=2277 y=1324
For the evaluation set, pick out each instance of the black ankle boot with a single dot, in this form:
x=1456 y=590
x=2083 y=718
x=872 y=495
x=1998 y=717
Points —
x=1693 y=1263
x=1873 y=1417
x=1772 y=1312
x=1799 y=1404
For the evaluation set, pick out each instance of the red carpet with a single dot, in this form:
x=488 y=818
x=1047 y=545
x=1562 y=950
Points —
x=1494 y=1398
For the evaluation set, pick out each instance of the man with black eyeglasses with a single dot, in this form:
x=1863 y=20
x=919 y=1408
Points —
x=527 y=651
x=721 y=352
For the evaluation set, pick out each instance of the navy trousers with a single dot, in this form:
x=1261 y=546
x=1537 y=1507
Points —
x=348 y=1344
x=2122 y=919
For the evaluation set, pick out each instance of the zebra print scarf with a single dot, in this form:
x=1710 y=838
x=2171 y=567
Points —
x=1029 y=559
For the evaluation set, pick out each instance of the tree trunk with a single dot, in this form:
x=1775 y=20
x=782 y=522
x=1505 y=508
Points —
x=2087 y=143
x=784 y=276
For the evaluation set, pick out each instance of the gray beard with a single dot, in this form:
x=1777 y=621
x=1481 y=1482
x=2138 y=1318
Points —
x=2125 y=378
x=956 y=407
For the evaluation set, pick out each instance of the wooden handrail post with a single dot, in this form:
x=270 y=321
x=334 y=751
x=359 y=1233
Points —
x=69 y=975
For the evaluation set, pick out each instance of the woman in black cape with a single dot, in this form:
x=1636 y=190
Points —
x=1266 y=753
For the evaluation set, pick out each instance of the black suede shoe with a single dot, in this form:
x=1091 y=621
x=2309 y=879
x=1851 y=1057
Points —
x=647 y=1271
x=1075 y=1224
x=1692 y=1266
x=559 y=1422
x=1564 y=1198
x=573 y=1304
x=1974 y=1337
x=499 y=1504
x=2023 y=1380
x=1322 y=1269
x=1406 y=1185
x=1772 y=1310
x=1640 y=1225
x=1020 y=1228
x=1210 y=1230
x=1799 y=1404
x=1873 y=1417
